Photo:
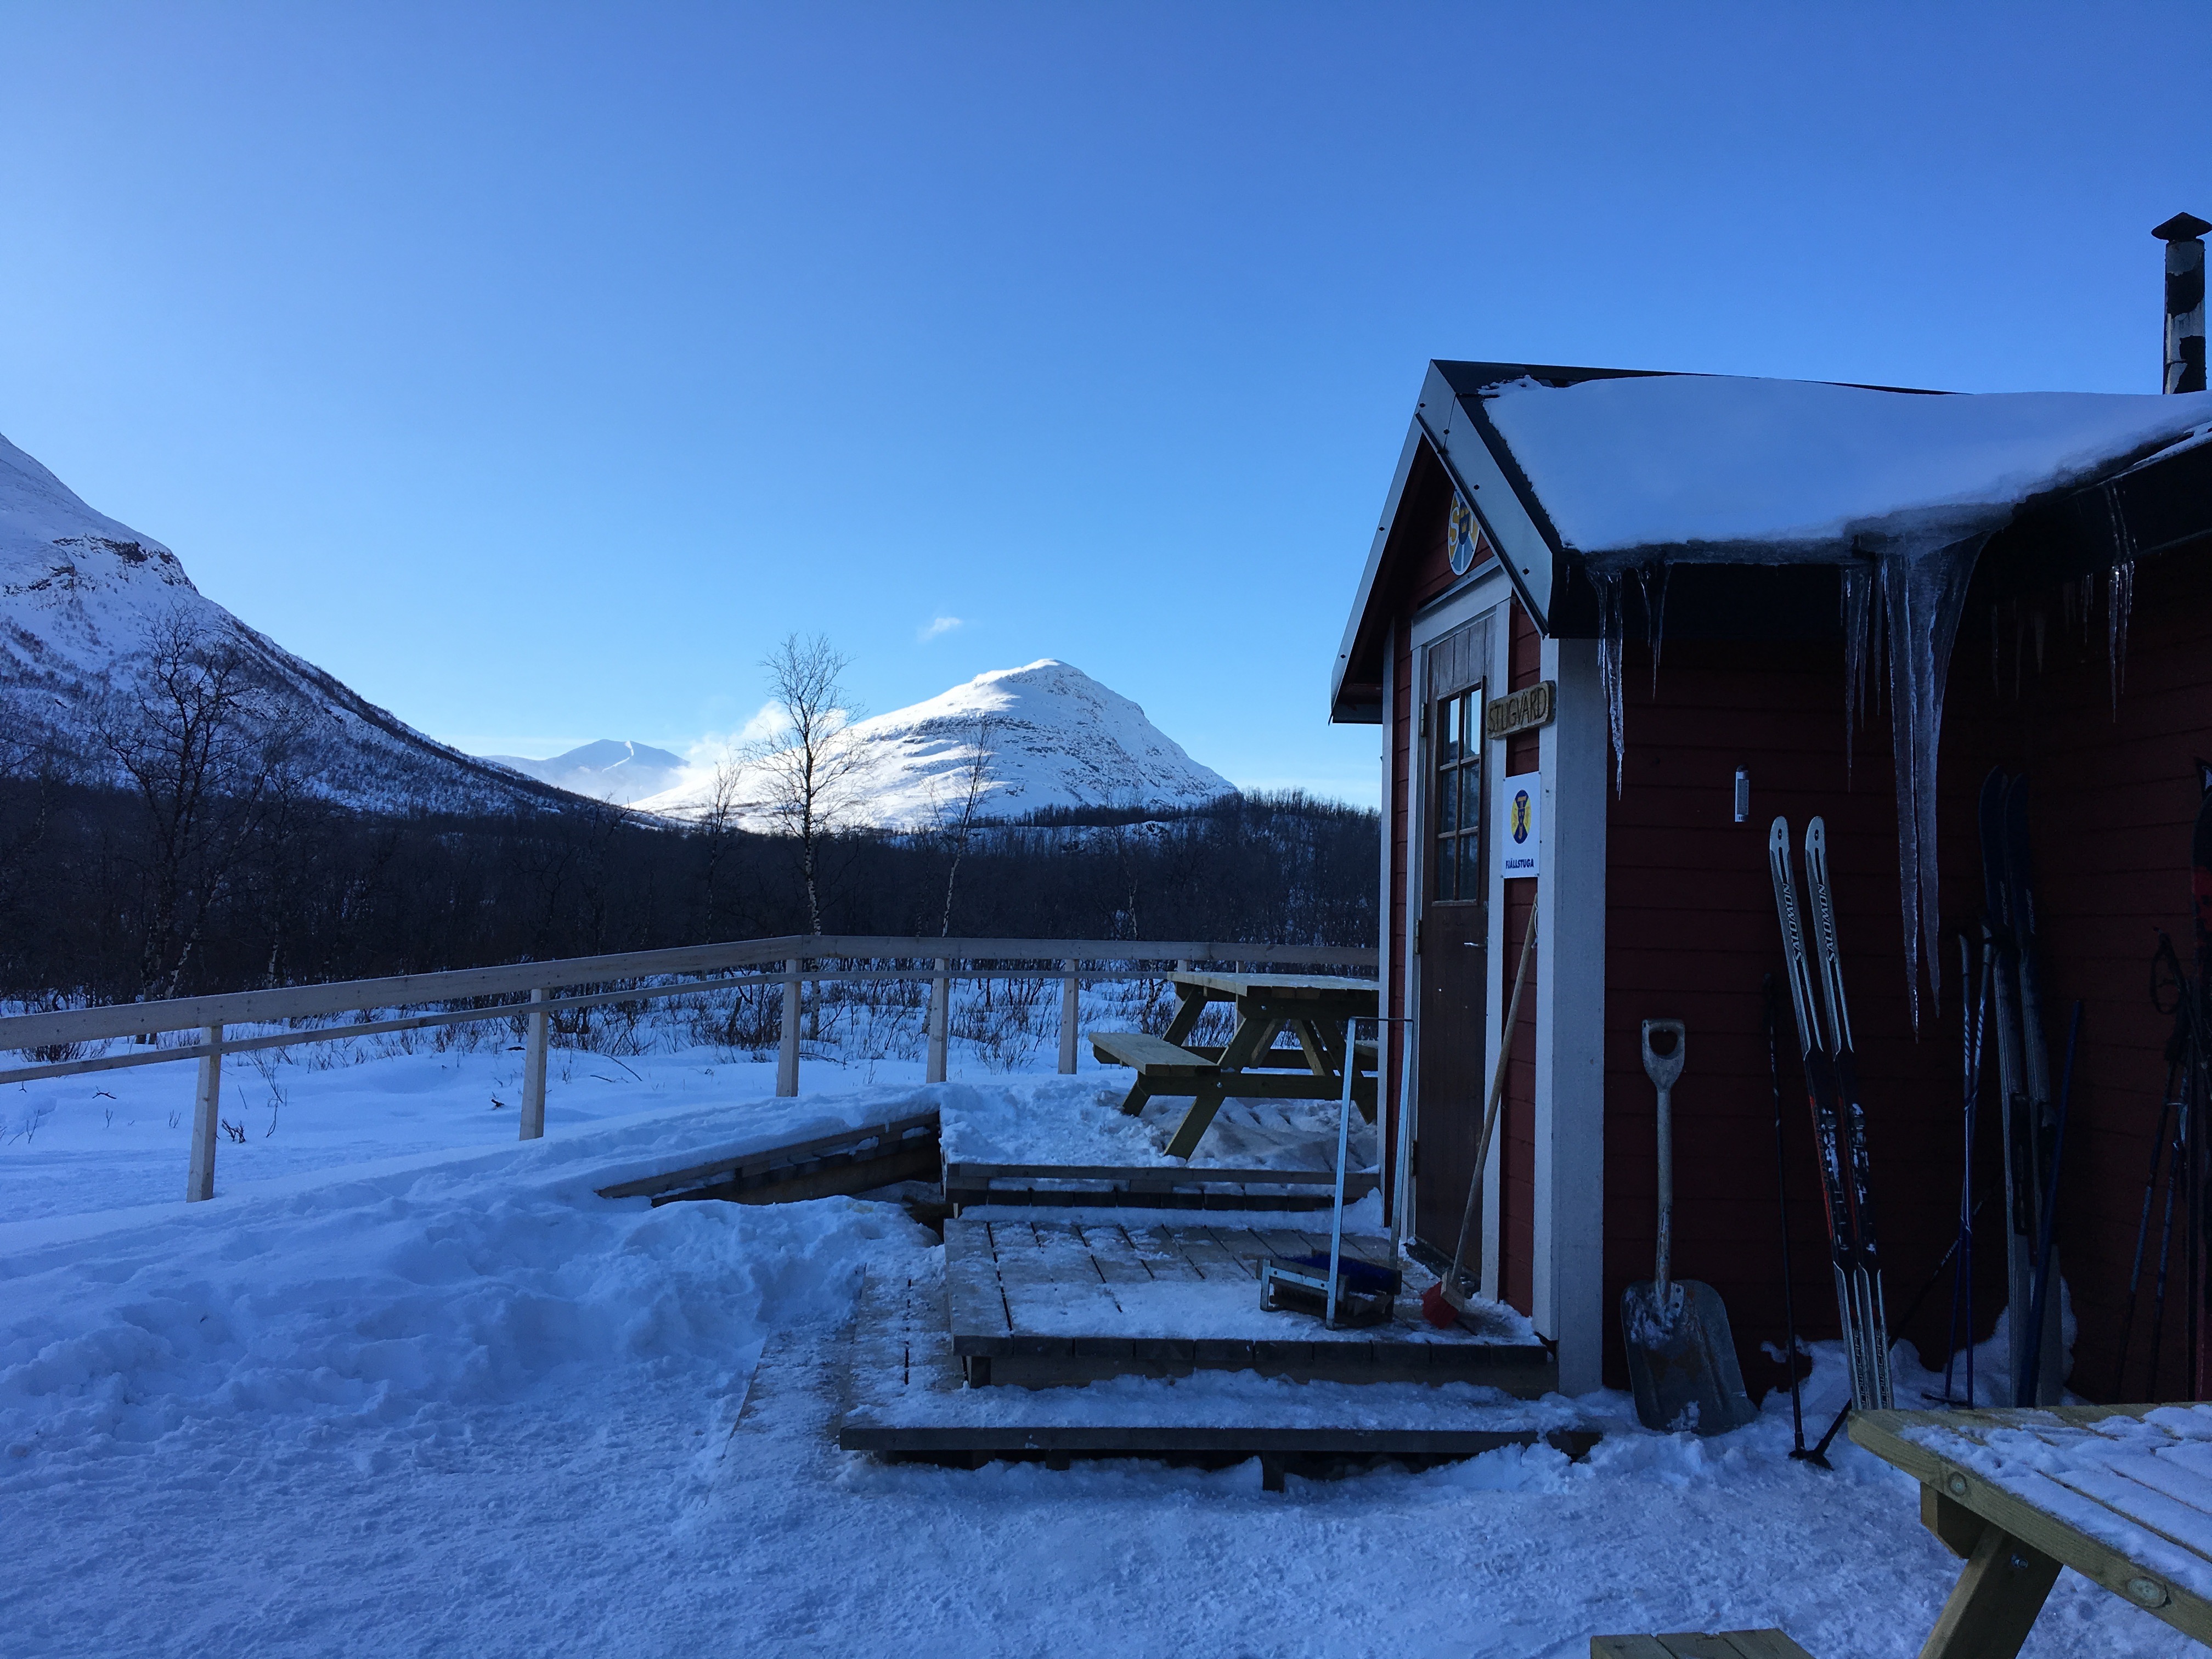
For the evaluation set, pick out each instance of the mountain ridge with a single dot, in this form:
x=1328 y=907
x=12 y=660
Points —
x=85 y=599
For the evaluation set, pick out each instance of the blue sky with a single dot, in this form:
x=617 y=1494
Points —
x=536 y=368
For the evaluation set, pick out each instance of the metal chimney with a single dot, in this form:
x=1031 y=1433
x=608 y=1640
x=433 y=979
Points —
x=2184 y=301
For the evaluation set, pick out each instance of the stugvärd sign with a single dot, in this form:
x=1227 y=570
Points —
x=1518 y=711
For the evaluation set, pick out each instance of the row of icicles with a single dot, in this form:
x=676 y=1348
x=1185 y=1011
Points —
x=1908 y=593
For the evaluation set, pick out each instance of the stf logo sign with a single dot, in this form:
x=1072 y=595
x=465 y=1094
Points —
x=1519 y=857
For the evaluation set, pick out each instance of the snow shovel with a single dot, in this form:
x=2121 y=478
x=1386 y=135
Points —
x=1681 y=1358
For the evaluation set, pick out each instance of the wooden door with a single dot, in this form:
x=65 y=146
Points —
x=1455 y=956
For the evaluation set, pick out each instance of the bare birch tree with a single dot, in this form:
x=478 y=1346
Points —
x=808 y=769
x=716 y=826
x=957 y=817
x=203 y=750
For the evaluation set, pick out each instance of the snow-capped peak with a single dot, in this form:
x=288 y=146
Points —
x=1050 y=735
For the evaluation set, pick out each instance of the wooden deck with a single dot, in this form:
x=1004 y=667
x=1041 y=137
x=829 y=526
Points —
x=906 y=1396
x=1046 y=1302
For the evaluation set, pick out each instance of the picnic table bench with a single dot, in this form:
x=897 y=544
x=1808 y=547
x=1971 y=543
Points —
x=1312 y=1007
x=2122 y=1494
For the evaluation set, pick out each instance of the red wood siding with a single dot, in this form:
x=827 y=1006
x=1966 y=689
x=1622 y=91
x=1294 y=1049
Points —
x=1691 y=933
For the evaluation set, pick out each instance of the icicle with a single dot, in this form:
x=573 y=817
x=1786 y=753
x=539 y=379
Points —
x=1655 y=611
x=1859 y=648
x=2123 y=592
x=1608 y=660
x=2116 y=626
x=1923 y=589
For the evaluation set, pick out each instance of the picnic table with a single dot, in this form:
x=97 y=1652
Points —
x=2122 y=1494
x=1313 y=1007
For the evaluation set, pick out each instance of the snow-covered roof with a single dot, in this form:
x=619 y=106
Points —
x=1733 y=468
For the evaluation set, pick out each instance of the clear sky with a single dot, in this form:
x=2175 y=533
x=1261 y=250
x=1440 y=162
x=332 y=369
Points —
x=535 y=368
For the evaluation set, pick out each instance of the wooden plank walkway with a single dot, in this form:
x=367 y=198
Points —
x=855 y=1160
x=1149 y=1186
x=1042 y=1302
x=905 y=1395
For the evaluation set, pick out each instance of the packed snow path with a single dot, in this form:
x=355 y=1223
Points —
x=455 y=1402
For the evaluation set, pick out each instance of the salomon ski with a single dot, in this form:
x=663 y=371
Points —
x=1865 y=1274
x=1858 y=1289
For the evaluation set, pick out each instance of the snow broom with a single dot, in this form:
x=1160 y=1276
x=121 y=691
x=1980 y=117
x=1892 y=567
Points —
x=1446 y=1301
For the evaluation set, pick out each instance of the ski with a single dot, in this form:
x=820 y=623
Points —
x=1869 y=1360
x=2038 y=1137
x=2015 y=1120
x=2200 y=859
x=1866 y=1271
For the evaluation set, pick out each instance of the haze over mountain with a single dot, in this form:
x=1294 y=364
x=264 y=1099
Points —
x=610 y=769
x=84 y=598
x=1052 y=737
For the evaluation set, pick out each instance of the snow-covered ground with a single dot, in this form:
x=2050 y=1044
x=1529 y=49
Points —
x=407 y=1386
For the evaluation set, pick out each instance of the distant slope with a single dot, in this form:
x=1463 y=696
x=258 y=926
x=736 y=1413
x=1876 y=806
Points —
x=1053 y=736
x=82 y=597
x=609 y=770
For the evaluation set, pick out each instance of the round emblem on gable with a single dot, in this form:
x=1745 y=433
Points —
x=1519 y=815
x=1464 y=535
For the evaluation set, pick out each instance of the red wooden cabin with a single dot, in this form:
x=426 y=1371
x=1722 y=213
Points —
x=1656 y=900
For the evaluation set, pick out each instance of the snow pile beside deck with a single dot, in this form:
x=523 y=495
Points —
x=1724 y=467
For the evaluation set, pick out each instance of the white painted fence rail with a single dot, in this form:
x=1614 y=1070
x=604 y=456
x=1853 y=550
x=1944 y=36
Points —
x=527 y=991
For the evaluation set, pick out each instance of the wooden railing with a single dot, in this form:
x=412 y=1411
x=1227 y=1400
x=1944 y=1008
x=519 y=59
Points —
x=527 y=991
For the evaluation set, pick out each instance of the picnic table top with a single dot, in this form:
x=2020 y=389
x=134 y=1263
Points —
x=2123 y=1494
x=1283 y=987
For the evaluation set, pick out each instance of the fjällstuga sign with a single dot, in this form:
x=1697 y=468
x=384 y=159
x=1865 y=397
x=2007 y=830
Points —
x=1518 y=711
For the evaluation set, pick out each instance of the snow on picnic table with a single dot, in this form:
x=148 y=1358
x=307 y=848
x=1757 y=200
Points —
x=453 y=1401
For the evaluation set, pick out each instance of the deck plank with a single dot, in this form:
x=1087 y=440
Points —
x=1113 y=1254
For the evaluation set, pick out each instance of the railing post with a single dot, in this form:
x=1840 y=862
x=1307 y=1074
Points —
x=206 y=1102
x=786 y=1059
x=940 y=1016
x=533 y=1067
x=1070 y=997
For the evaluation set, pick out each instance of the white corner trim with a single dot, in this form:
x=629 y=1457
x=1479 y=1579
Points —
x=1568 y=1289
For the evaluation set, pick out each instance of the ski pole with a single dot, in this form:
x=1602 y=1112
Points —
x=1782 y=1190
x=1973 y=1026
x=1818 y=1455
x=2173 y=1177
x=2174 y=1050
x=2028 y=1388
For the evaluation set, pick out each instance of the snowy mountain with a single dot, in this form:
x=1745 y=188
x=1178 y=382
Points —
x=1052 y=736
x=606 y=770
x=84 y=598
